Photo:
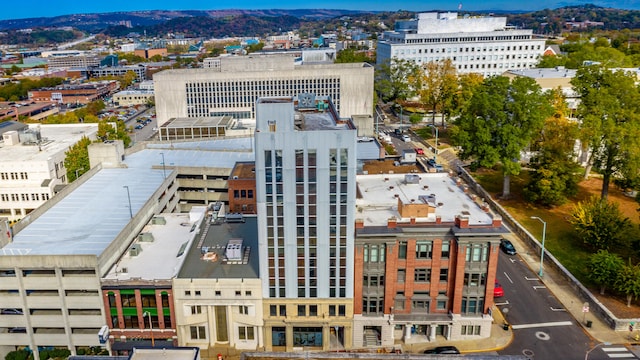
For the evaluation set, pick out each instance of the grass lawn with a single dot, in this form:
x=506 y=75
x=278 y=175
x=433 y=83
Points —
x=561 y=240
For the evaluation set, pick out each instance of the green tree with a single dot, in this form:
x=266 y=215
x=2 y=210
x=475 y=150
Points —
x=600 y=224
x=77 y=158
x=353 y=56
x=437 y=86
x=609 y=111
x=628 y=282
x=466 y=86
x=604 y=268
x=555 y=172
x=499 y=122
x=393 y=79
x=107 y=131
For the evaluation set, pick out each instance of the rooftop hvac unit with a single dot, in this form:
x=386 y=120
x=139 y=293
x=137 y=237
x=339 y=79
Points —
x=135 y=250
x=158 y=220
x=233 y=251
x=234 y=218
x=145 y=237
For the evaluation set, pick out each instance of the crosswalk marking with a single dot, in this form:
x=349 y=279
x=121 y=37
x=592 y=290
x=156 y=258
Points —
x=622 y=355
x=547 y=324
x=619 y=352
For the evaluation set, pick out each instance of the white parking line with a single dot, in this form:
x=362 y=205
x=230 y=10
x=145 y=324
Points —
x=554 y=309
x=547 y=324
x=539 y=287
x=508 y=278
x=502 y=303
x=531 y=279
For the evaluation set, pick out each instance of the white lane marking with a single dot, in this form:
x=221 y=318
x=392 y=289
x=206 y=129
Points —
x=508 y=278
x=502 y=303
x=554 y=309
x=531 y=279
x=547 y=324
x=512 y=260
x=539 y=287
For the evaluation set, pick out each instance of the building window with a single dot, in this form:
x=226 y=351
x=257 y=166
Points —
x=477 y=252
x=196 y=309
x=424 y=249
x=243 y=309
x=273 y=310
x=342 y=310
x=373 y=305
x=444 y=275
x=247 y=293
x=283 y=310
x=470 y=330
x=198 y=293
x=420 y=305
x=198 y=332
x=302 y=310
x=238 y=293
x=313 y=310
x=187 y=293
x=422 y=275
x=472 y=305
x=445 y=249
x=374 y=253
x=332 y=310
x=246 y=333
x=402 y=250
x=218 y=293
x=474 y=279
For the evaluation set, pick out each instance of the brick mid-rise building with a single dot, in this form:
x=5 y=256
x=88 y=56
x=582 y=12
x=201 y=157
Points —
x=426 y=256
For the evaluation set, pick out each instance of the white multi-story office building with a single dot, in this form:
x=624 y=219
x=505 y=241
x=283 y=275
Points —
x=233 y=86
x=32 y=164
x=305 y=184
x=484 y=45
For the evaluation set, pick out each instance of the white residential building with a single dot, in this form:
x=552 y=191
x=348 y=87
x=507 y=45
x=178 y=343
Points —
x=484 y=45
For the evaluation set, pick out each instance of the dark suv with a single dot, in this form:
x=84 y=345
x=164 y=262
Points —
x=443 y=350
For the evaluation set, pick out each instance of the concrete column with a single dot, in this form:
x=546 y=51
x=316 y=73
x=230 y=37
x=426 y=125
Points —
x=407 y=332
x=432 y=332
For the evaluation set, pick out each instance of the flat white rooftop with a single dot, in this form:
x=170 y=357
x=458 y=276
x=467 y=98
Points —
x=55 y=138
x=377 y=202
x=87 y=220
x=160 y=250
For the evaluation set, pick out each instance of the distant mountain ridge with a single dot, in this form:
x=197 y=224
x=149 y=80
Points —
x=99 y=21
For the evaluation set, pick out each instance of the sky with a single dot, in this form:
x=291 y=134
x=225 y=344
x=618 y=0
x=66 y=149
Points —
x=41 y=8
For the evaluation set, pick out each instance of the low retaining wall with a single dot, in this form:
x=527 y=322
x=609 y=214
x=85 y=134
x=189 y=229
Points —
x=595 y=306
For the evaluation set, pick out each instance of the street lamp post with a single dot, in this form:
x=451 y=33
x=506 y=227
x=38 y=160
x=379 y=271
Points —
x=586 y=356
x=77 y=170
x=129 y=198
x=164 y=172
x=435 y=146
x=148 y=314
x=544 y=234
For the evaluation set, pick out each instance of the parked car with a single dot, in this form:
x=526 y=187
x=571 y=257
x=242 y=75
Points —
x=507 y=247
x=20 y=330
x=139 y=126
x=419 y=151
x=498 y=291
x=443 y=350
x=11 y=312
x=406 y=138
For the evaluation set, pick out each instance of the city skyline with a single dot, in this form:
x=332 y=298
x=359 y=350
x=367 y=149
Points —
x=35 y=8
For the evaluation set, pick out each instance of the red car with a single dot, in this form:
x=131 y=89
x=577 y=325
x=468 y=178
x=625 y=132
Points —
x=419 y=151
x=498 y=291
